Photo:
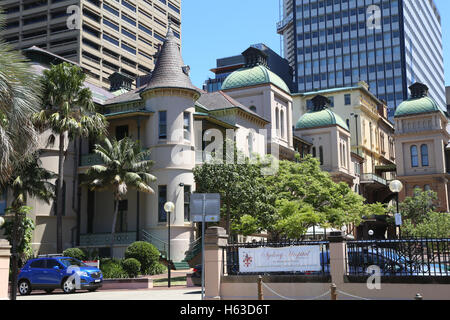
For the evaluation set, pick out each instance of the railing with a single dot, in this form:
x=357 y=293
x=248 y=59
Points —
x=195 y=248
x=158 y=243
x=404 y=257
x=104 y=239
x=371 y=177
x=231 y=263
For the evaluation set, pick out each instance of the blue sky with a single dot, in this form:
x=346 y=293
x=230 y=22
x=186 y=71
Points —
x=215 y=29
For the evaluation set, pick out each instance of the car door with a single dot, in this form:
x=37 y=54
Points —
x=38 y=269
x=53 y=276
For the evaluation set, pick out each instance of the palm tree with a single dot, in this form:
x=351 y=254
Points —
x=28 y=179
x=125 y=166
x=68 y=110
x=19 y=99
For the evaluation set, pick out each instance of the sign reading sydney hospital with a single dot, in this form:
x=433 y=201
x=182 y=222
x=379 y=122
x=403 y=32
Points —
x=287 y=259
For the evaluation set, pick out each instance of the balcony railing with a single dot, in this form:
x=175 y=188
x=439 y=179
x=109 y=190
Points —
x=371 y=177
x=104 y=239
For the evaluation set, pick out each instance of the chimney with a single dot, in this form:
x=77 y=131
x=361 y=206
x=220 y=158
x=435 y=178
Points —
x=418 y=90
x=119 y=81
x=255 y=57
x=320 y=103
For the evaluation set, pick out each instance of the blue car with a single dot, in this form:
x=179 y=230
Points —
x=52 y=273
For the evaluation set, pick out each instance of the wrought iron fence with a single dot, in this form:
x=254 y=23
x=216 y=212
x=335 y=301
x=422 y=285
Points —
x=402 y=257
x=231 y=256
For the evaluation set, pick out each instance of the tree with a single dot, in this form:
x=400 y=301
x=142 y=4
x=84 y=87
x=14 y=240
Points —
x=418 y=207
x=305 y=196
x=28 y=179
x=68 y=110
x=243 y=195
x=125 y=166
x=434 y=225
x=19 y=98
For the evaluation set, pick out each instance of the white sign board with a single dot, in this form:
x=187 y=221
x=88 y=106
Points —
x=398 y=219
x=209 y=202
x=288 y=259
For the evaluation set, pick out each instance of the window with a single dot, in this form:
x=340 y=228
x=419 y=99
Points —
x=121 y=223
x=162 y=199
x=414 y=157
x=348 y=99
x=162 y=124
x=321 y=155
x=314 y=152
x=2 y=202
x=51 y=263
x=121 y=132
x=253 y=108
x=38 y=264
x=424 y=155
x=427 y=187
x=187 y=202
x=282 y=123
x=187 y=125
x=250 y=138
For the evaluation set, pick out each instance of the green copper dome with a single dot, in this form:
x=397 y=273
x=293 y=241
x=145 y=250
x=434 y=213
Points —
x=246 y=77
x=417 y=106
x=322 y=118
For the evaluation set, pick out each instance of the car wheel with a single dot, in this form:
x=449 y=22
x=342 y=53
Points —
x=24 y=288
x=68 y=285
x=49 y=290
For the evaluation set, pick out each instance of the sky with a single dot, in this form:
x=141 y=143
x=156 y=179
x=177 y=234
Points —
x=213 y=29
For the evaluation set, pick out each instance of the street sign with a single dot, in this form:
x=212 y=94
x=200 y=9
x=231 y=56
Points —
x=398 y=219
x=209 y=202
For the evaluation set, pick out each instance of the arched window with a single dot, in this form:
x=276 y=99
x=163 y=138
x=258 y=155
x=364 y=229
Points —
x=253 y=108
x=277 y=121
x=424 y=155
x=427 y=187
x=250 y=142
x=414 y=157
x=417 y=190
x=321 y=155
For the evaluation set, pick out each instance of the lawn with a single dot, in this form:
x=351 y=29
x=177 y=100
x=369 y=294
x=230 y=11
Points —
x=175 y=281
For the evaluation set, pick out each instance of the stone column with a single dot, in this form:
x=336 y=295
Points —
x=216 y=240
x=338 y=255
x=4 y=268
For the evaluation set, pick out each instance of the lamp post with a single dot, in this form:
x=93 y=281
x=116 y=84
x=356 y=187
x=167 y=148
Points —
x=396 y=186
x=168 y=207
x=2 y=221
x=371 y=234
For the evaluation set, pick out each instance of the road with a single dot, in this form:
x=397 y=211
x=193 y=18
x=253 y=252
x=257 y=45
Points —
x=182 y=293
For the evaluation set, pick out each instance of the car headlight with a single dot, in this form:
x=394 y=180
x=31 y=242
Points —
x=82 y=274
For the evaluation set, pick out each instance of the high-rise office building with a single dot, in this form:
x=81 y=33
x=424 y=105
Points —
x=389 y=44
x=102 y=36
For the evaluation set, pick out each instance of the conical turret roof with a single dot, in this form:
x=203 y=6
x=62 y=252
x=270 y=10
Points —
x=170 y=70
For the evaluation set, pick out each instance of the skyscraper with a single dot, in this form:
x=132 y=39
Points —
x=102 y=36
x=389 y=44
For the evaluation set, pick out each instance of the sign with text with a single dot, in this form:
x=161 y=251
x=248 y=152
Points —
x=205 y=204
x=288 y=259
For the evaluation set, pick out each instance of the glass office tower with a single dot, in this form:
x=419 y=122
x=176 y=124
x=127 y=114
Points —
x=389 y=44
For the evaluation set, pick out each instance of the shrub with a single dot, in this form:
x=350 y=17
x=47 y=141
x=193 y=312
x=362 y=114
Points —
x=145 y=253
x=157 y=268
x=75 y=253
x=131 y=267
x=112 y=269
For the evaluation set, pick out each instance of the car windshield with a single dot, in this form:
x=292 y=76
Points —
x=72 y=262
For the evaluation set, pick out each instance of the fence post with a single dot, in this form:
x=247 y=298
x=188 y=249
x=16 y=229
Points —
x=333 y=293
x=4 y=268
x=260 y=289
x=215 y=241
x=418 y=297
x=338 y=253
